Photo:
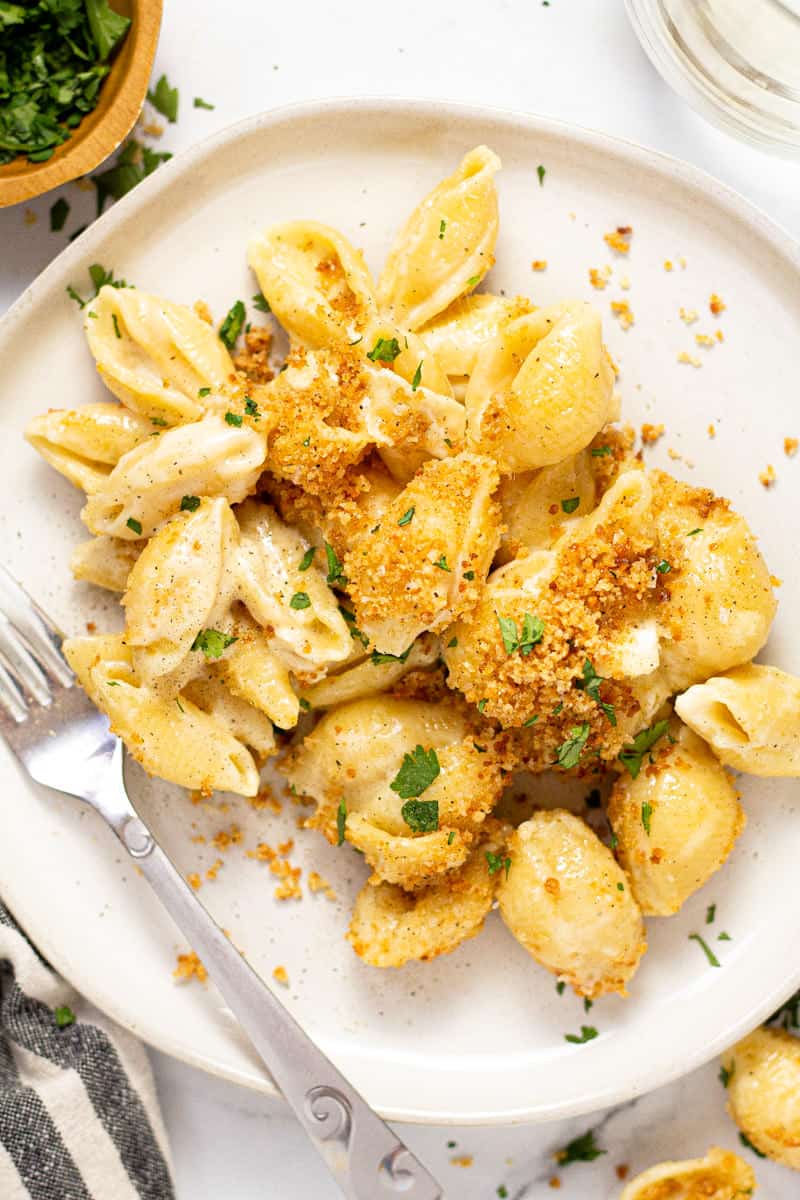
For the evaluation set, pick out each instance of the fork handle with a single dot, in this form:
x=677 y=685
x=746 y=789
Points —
x=366 y=1158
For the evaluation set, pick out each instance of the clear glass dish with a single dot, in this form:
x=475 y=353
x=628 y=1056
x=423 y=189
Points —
x=735 y=61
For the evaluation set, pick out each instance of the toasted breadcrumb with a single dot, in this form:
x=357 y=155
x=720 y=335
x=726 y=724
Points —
x=619 y=239
x=625 y=283
x=262 y=853
x=462 y=1160
x=622 y=1171
x=266 y=799
x=189 y=967
x=281 y=975
x=712 y=431
x=705 y=339
x=689 y=359
x=84 y=184
x=153 y=129
x=213 y=870
x=622 y=311
x=289 y=887
x=203 y=312
x=776 y=581
x=225 y=838
x=688 y=315
x=767 y=478
x=598 y=278
x=194 y=880
x=253 y=362
x=554 y=1182
x=667 y=264
x=539 y=264
x=790 y=445
x=317 y=883
x=30 y=217
x=719 y=335
x=716 y=304
x=650 y=433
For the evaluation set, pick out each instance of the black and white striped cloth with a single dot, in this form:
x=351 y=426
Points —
x=79 y=1117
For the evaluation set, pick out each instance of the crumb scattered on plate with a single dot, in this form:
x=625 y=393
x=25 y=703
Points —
x=790 y=445
x=619 y=239
x=281 y=975
x=190 y=967
x=622 y=311
x=689 y=359
x=767 y=478
x=650 y=433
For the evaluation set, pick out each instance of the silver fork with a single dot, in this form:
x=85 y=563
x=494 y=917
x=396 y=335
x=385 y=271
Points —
x=64 y=742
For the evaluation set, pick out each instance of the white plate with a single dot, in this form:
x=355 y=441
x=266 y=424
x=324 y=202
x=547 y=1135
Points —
x=477 y=1036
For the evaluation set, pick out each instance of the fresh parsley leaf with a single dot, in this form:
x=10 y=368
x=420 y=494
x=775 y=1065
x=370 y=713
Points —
x=58 y=214
x=180 y=706
x=703 y=944
x=422 y=816
x=725 y=1075
x=158 y=421
x=64 y=1016
x=135 y=525
x=496 y=862
x=541 y=172
x=473 y=281
x=745 y=1140
x=300 y=601
x=307 y=559
x=481 y=706
x=532 y=633
x=530 y=721
x=620 y=887
x=251 y=408
x=502 y=1192
x=417 y=380
x=234 y=419
x=560 y=987
x=304 y=704
x=469 y=575
x=558 y=708
x=580 y=1149
x=451 y=645
x=441 y=563
x=788 y=1015
x=723 y=937
x=451 y=837
x=509 y=634
x=108 y=27
x=74 y=295
x=711 y=913
x=663 y=567
x=647 y=815
x=631 y=755
x=570 y=751
x=590 y=683
x=417 y=772
x=118 y=334
x=199 y=102
x=569 y=505
x=599 y=451
x=442 y=228
x=231 y=327
x=384 y=350
x=587 y=1034
x=341 y=822
x=203 y=392
x=407 y=516
x=212 y=642
x=377 y=658
x=165 y=99
x=694 y=532
x=335 y=572
x=261 y=303
x=355 y=632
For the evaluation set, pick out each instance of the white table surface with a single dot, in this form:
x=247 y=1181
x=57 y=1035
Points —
x=573 y=59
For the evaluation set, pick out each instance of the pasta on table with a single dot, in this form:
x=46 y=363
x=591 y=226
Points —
x=418 y=560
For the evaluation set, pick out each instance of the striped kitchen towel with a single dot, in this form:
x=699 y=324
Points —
x=79 y=1117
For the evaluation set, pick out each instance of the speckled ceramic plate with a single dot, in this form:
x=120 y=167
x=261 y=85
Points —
x=477 y=1036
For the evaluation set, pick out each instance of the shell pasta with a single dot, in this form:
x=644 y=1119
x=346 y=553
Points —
x=414 y=559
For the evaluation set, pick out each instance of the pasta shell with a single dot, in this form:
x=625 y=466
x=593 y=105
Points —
x=317 y=285
x=562 y=902
x=446 y=246
x=763 y=1073
x=676 y=823
x=721 y=1175
x=457 y=335
x=105 y=562
x=374 y=673
x=542 y=389
x=155 y=355
x=254 y=673
x=411 y=425
x=247 y=724
x=536 y=504
x=83 y=444
x=298 y=608
x=207 y=458
x=750 y=717
x=177 y=742
x=182 y=584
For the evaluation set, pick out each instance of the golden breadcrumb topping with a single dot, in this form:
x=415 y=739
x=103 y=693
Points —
x=189 y=967
x=767 y=478
x=621 y=309
x=619 y=239
x=203 y=312
x=281 y=975
x=689 y=359
x=539 y=264
x=598 y=278
x=253 y=362
x=790 y=445
x=716 y=304
x=650 y=433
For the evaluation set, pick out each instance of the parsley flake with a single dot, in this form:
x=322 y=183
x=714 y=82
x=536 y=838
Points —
x=442 y=228
x=199 y=102
x=441 y=563
x=117 y=333
x=234 y=419
x=569 y=505
x=590 y=683
x=190 y=503
x=694 y=532
x=304 y=704
x=212 y=642
x=165 y=99
x=407 y=516
x=745 y=1140
x=203 y=392
x=663 y=567
x=384 y=350
x=541 y=172
x=473 y=280
x=299 y=601
x=335 y=573
x=58 y=214
x=64 y=1016
x=158 y=421
x=647 y=814
x=530 y=721
x=452 y=643
x=135 y=525
x=587 y=1034
x=580 y=1149
x=570 y=751
x=307 y=559
x=251 y=408
x=496 y=862
x=631 y=755
x=421 y=816
x=711 y=913
x=451 y=837
x=560 y=987
x=417 y=380
x=341 y=822
x=261 y=303
x=378 y=657
x=482 y=705
x=231 y=327
x=704 y=946
x=599 y=451
x=417 y=772
x=725 y=1075
x=469 y=575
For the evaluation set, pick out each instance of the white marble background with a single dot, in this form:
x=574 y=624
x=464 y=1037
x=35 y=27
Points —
x=573 y=59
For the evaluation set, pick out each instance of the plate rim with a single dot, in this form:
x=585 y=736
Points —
x=667 y=166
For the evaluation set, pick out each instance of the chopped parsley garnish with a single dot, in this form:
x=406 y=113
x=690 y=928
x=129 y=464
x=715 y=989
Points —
x=307 y=559
x=133 y=164
x=341 y=822
x=231 y=327
x=569 y=505
x=599 y=451
x=631 y=755
x=725 y=1075
x=703 y=944
x=307 y=441
x=417 y=772
x=723 y=937
x=451 y=645
x=587 y=1004
x=117 y=333
x=408 y=516
x=530 y=721
x=378 y=657
x=199 y=102
x=541 y=172
x=663 y=567
x=580 y=1149
x=234 y=419
x=590 y=683
x=442 y=227
x=58 y=214
x=158 y=421
x=261 y=303
x=190 y=503
x=64 y=1016
x=441 y=563
x=135 y=525
x=451 y=837
x=180 y=706
x=203 y=392
x=473 y=280
x=647 y=814
x=299 y=601
x=502 y=1192
x=112 y=683
x=711 y=913
x=335 y=573
x=100 y=277
x=788 y=1014
x=421 y=816
x=513 y=640
x=417 y=380
x=570 y=751
x=355 y=632
x=212 y=642
x=496 y=862
x=165 y=99
x=620 y=887
x=469 y=575
x=745 y=1140
x=558 y=708
x=587 y=1033
x=482 y=705
x=304 y=704
x=693 y=532
x=251 y=408
x=384 y=350
x=560 y=987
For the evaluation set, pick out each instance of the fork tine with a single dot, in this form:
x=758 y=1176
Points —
x=21 y=665
x=11 y=698
x=41 y=636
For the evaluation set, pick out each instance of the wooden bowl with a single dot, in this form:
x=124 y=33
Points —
x=101 y=131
